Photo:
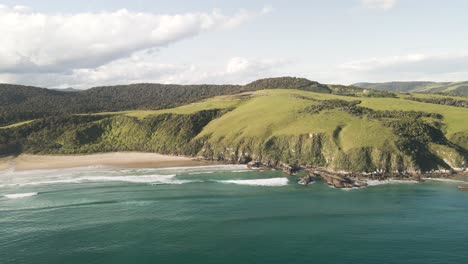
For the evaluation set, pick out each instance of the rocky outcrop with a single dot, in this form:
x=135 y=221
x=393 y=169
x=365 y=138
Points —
x=340 y=180
x=290 y=169
x=306 y=180
x=254 y=164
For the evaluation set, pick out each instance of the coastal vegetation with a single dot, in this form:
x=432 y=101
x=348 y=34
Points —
x=441 y=100
x=307 y=124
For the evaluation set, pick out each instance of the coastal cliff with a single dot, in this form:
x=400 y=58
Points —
x=370 y=135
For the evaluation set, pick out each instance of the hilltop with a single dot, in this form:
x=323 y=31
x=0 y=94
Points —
x=276 y=122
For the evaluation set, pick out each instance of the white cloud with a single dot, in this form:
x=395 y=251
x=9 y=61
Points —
x=237 y=64
x=374 y=63
x=143 y=67
x=35 y=42
x=439 y=67
x=378 y=4
x=266 y=10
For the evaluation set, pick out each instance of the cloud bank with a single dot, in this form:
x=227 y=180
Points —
x=34 y=42
x=378 y=4
x=442 y=67
x=143 y=67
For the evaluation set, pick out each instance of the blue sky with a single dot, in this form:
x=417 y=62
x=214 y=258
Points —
x=87 y=43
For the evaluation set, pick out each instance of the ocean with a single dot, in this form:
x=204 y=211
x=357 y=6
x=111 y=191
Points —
x=224 y=214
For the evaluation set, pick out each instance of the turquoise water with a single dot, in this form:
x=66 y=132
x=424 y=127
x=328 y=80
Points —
x=224 y=214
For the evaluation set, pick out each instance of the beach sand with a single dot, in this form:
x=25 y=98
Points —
x=5 y=163
x=116 y=159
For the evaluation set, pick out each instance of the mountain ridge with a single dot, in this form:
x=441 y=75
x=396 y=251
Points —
x=452 y=88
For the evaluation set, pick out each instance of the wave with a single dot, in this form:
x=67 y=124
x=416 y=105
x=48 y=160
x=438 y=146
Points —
x=200 y=169
x=151 y=179
x=13 y=170
x=219 y=170
x=103 y=174
x=201 y=172
x=381 y=182
x=135 y=179
x=116 y=171
x=260 y=182
x=19 y=195
x=443 y=180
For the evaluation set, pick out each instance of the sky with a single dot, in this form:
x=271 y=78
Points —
x=88 y=43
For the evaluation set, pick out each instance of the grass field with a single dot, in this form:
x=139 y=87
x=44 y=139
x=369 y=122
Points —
x=279 y=112
x=220 y=102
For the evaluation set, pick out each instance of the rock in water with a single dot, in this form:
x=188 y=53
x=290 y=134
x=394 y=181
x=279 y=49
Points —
x=340 y=181
x=254 y=164
x=290 y=169
x=306 y=180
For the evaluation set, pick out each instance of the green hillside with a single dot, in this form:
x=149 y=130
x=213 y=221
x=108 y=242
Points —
x=351 y=131
x=23 y=103
x=454 y=88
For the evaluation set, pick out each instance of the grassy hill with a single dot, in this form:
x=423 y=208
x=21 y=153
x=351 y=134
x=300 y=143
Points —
x=21 y=103
x=454 y=88
x=317 y=125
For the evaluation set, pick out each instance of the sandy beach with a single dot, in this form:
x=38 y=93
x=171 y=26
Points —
x=117 y=159
x=5 y=163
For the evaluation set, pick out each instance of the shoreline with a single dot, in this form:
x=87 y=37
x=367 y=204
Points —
x=347 y=180
x=25 y=162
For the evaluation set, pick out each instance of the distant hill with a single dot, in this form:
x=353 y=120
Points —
x=21 y=103
x=453 y=88
x=67 y=89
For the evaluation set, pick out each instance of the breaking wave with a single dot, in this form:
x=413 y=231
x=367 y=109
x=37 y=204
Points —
x=381 y=182
x=19 y=195
x=259 y=182
x=13 y=178
x=151 y=179
x=443 y=180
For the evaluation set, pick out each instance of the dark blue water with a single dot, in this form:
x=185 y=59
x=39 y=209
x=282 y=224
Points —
x=215 y=215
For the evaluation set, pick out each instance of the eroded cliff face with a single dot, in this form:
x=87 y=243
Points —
x=320 y=150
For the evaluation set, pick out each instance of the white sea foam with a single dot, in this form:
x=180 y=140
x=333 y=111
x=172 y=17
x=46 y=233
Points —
x=115 y=171
x=155 y=179
x=19 y=195
x=443 y=180
x=202 y=172
x=105 y=174
x=259 y=182
x=391 y=181
x=349 y=189
x=151 y=179
x=200 y=169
